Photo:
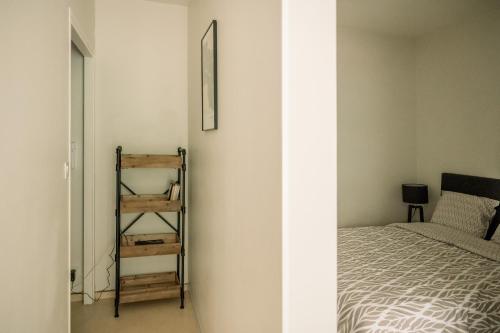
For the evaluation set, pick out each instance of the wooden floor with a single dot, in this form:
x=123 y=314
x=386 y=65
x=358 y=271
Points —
x=154 y=316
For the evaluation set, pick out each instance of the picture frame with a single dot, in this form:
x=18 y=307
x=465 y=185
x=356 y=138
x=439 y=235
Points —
x=209 y=98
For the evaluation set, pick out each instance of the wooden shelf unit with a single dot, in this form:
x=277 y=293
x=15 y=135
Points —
x=147 y=287
x=130 y=161
x=144 y=287
x=148 y=203
x=171 y=245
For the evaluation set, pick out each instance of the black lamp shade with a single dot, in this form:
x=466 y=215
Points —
x=415 y=194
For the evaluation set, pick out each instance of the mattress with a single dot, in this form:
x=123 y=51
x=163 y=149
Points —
x=417 y=277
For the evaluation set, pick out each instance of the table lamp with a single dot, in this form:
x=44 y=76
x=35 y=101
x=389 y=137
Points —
x=415 y=195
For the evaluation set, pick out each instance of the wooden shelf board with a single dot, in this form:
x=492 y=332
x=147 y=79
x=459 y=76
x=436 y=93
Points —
x=130 y=161
x=146 y=287
x=128 y=249
x=148 y=203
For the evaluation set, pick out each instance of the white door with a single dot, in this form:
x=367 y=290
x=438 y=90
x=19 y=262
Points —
x=76 y=165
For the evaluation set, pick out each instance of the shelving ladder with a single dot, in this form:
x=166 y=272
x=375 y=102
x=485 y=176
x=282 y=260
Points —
x=144 y=287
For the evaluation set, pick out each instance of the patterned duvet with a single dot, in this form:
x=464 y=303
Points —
x=418 y=277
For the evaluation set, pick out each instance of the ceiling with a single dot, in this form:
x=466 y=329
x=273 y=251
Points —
x=409 y=17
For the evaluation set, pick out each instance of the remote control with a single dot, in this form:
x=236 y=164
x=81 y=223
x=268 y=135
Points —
x=149 y=242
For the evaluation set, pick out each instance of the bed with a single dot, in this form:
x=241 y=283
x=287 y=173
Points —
x=420 y=277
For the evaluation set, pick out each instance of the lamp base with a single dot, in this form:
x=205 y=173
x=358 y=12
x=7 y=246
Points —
x=420 y=211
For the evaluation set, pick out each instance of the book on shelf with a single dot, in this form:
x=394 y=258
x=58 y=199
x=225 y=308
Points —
x=169 y=191
x=175 y=192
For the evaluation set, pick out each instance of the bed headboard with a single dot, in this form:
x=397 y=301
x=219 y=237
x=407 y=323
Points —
x=479 y=186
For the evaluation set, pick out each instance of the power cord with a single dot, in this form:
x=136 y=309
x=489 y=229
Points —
x=107 y=278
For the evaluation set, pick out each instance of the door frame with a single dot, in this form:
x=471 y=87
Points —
x=78 y=37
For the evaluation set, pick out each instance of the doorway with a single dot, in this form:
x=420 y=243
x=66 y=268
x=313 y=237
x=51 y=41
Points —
x=80 y=162
x=77 y=168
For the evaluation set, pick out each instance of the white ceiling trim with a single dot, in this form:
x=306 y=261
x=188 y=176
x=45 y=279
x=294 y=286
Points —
x=173 y=2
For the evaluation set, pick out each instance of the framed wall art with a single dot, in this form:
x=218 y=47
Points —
x=209 y=78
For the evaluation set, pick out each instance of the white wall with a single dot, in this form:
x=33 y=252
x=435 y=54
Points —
x=411 y=108
x=141 y=104
x=235 y=171
x=83 y=12
x=458 y=117
x=34 y=103
x=309 y=166
x=376 y=125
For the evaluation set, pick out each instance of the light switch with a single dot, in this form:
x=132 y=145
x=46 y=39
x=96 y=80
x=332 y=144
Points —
x=66 y=170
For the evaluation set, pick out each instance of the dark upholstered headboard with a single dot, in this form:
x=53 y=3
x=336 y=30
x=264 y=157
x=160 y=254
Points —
x=479 y=186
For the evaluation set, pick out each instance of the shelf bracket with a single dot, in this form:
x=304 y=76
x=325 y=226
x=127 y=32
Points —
x=128 y=188
x=165 y=220
x=132 y=223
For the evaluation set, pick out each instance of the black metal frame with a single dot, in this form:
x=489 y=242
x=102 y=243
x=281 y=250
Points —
x=180 y=230
x=182 y=152
x=412 y=208
x=118 y=227
x=213 y=25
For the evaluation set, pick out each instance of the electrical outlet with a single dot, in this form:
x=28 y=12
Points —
x=73 y=275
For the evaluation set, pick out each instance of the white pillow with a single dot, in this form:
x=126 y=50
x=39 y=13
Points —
x=469 y=213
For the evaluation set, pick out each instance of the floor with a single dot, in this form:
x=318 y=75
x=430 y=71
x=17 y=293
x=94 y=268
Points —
x=156 y=316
